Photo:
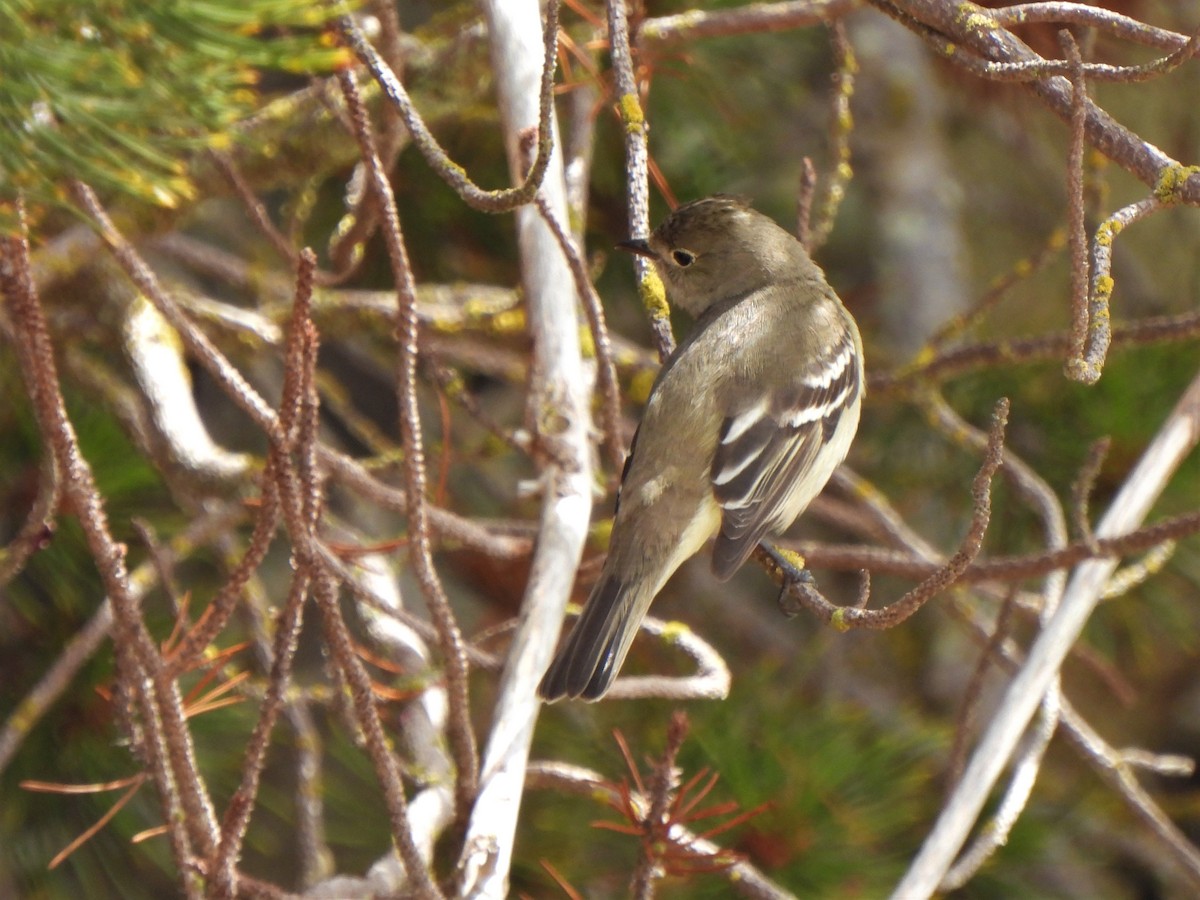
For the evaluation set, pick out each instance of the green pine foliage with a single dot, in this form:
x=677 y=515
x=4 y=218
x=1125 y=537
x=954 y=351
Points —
x=121 y=94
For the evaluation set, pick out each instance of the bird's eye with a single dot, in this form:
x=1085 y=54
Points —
x=683 y=258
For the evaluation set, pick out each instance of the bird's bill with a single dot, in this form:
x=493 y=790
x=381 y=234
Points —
x=640 y=246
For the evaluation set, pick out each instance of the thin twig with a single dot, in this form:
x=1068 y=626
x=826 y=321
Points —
x=437 y=159
x=1081 y=490
x=1088 y=365
x=841 y=129
x=85 y=642
x=1114 y=23
x=1175 y=439
x=906 y=563
x=303 y=356
x=889 y=616
x=980 y=33
x=1031 y=69
x=661 y=788
x=378 y=744
x=610 y=390
x=971 y=694
x=750 y=18
x=806 y=189
x=946 y=364
x=186 y=807
x=744 y=879
x=1076 y=234
x=38 y=528
x=637 y=184
x=461 y=732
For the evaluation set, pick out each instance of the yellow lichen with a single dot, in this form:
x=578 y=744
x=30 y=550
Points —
x=654 y=295
x=1171 y=180
x=631 y=113
x=794 y=559
x=978 y=21
x=673 y=630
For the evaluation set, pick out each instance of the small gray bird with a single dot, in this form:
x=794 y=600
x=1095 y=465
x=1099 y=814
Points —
x=745 y=423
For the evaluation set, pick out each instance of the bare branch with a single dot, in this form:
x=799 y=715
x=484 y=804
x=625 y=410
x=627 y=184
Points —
x=1175 y=439
x=462 y=736
x=558 y=411
x=1076 y=235
x=752 y=18
x=889 y=616
x=1087 y=366
x=610 y=391
x=974 y=28
x=1114 y=23
x=743 y=877
x=637 y=185
x=186 y=806
x=488 y=201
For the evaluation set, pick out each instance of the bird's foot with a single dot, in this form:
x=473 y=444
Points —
x=792 y=574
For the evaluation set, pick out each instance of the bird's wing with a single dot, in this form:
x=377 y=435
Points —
x=766 y=451
x=625 y=469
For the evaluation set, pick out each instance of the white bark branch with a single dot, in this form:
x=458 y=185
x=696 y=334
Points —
x=560 y=392
x=1173 y=442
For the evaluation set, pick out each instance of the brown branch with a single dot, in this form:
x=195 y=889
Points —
x=967 y=358
x=752 y=18
x=378 y=744
x=844 y=618
x=437 y=159
x=972 y=26
x=1081 y=491
x=186 y=807
x=806 y=189
x=38 y=528
x=83 y=645
x=855 y=558
x=970 y=701
x=841 y=129
x=637 y=181
x=1114 y=23
x=610 y=390
x=254 y=207
x=1033 y=67
x=1076 y=233
x=462 y=737
x=299 y=384
x=663 y=783
x=996 y=291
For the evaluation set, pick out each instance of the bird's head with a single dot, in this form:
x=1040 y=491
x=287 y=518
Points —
x=717 y=249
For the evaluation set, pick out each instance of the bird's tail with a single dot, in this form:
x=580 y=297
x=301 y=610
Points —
x=589 y=661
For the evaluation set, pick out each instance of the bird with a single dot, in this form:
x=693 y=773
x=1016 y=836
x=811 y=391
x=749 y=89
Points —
x=745 y=423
